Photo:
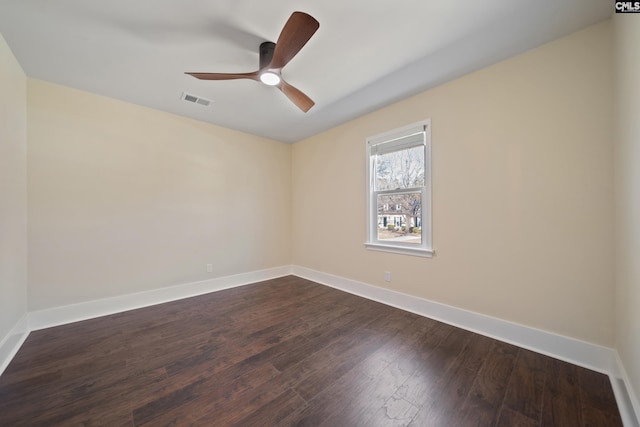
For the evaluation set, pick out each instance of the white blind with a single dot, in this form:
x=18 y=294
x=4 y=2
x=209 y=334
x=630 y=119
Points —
x=407 y=138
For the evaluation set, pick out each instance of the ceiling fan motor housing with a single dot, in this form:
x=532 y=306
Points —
x=266 y=53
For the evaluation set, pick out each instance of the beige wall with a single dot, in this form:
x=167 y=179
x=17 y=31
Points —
x=522 y=192
x=13 y=191
x=627 y=192
x=124 y=199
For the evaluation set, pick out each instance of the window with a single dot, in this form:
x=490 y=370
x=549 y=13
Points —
x=399 y=190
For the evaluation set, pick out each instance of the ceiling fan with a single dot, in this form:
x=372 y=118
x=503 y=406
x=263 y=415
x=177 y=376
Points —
x=274 y=56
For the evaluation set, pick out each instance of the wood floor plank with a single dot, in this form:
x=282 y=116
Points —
x=444 y=404
x=599 y=407
x=289 y=352
x=526 y=386
x=297 y=374
x=561 y=404
x=486 y=396
x=395 y=412
x=435 y=360
x=511 y=418
x=293 y=375
x=398 y=359
x=89 y=398
x=358 y=394
x=321 y=336
x=273 y=412
x=210 y=395
x=347 y=354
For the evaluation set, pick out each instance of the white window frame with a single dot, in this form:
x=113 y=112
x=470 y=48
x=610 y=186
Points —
x=425 y=249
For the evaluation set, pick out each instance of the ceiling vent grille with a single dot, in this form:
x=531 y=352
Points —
x=195 y=99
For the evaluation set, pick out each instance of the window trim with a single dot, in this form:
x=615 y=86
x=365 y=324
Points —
x=426 y=248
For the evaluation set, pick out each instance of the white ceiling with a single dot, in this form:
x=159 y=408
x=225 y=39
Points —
x=366 y=54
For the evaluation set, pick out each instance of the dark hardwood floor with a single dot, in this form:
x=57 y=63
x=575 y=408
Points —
x=289 y=352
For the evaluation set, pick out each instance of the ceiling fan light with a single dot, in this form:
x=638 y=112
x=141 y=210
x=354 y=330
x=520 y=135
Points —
x=270 y=78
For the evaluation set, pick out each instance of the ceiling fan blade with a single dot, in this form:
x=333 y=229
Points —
x=296 y=96
x=225 y=76
x=295 y=34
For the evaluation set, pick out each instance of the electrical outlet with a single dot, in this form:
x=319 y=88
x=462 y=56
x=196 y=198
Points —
x=209 y=268
x=387 y=276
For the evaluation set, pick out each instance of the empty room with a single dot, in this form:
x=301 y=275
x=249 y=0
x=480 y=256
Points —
x=362 y=213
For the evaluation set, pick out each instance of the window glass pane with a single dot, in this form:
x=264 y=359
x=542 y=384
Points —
x=399 y=217
x=400 y=169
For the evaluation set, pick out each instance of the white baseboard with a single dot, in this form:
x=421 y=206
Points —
x=628 y=402
x=56 y=316
x=581 y=353
x=12 y=342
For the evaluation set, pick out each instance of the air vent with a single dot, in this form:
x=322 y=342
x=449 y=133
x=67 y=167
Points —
x=195 y=99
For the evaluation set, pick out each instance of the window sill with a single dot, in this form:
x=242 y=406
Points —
x=403 y=250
